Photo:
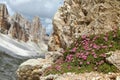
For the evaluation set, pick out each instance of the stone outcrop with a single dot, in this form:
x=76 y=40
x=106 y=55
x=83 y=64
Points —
x=37 y=31
x=114 y=58
x=20 y=28
x=33 y=69
x=83 y=17
x=83 y=76
x=4 y=26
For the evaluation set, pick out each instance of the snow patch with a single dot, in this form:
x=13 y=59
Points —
x=20 y=48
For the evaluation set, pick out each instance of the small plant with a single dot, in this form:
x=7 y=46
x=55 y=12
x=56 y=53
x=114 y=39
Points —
x=88 y=54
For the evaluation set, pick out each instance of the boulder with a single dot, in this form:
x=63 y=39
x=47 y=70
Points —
x=53 y=55
x=114 y=58
x=33 y=69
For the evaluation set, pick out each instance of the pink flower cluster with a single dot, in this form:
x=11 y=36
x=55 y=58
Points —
x=82 y=56
x=85 y=51
x=58 y=67
x=73 y=50
x=69 y=58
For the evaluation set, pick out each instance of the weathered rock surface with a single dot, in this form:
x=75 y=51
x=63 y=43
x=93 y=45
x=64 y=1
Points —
x=115 y=58
x=37 y=31
x=79 y=17
x=20 y=34
x=33 y=69
x=4 y=26
x=27 y=38
x=84 y=76
x=20 y=28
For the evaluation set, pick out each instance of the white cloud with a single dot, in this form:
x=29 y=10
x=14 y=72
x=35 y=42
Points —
x=47 y=23
x=48 y=20
x=43 y=8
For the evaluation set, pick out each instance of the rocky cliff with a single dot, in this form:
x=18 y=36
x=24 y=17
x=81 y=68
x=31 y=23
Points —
x=19 y=36
x=20 y=28
x=4 y=26
x=83 y=17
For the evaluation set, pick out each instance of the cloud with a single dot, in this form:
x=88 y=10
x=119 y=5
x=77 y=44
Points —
x=43 y=8
x=47 y=23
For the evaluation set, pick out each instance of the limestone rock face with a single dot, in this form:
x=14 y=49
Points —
x=4 y=26
x=20 y=28
x=83 y=17
x=33 y=69
x=37 y=31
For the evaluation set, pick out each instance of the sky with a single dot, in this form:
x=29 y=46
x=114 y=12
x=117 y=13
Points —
x=45 y=9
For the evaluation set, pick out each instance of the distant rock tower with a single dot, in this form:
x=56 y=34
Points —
x=3 y=18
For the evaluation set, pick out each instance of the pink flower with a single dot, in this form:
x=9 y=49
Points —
x=93 y=53
x=95 y=56
x=87 y=53
x=84 y=57
x=95 y=46
x=101 y=62
x=79 y=55
x=58 y=67
x=103 y=47
x=74 y=49
x=81 y=63
x=105 y=38
x=69 y=58
x=103 y=55
x=83 y=36
x=95 y=38
x=76 y=44
x=88 y=62
x=91 y=45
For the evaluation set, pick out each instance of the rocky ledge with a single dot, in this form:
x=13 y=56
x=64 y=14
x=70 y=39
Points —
x=84 y=76
x=34 y=69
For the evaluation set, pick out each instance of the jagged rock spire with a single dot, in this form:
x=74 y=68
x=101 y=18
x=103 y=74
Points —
x=4 y=26
x=19 y=27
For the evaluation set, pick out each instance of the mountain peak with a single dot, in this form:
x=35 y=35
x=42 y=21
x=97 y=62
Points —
x=19 y=29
